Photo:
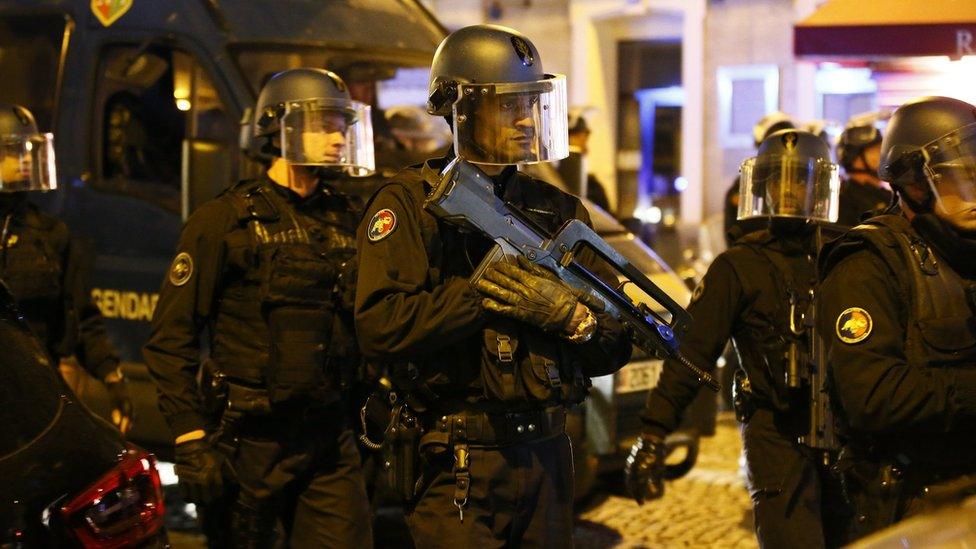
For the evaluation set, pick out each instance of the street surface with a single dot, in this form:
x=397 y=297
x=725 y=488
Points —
x=707 y=508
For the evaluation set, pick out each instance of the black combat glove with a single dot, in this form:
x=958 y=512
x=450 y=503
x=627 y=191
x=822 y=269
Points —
x=117 y=387
x=529 y=293
x=199 y=467
x=645 y=470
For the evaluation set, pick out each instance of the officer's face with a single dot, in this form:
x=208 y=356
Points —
x=324 y=140
x=785 y=197
x=956 y=187
x=872 y=157
x=15 y=167
x=512 y=133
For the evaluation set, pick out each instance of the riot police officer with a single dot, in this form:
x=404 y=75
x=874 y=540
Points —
x=757 y=292
x=44 y=267
x=897 y=314
x=858 y=151
x=260 y=270
x=735 y=227
x=487 y=371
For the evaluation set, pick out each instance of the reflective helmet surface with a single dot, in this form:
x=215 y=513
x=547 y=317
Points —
x=504 y=108
x=481 y=54
x=928 y=153
x=318 y=122
x=26 y=155
x=294 y=84
x=861 y=132
x=790 y=176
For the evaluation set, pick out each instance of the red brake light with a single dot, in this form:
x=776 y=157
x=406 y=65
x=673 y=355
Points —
x=122 y=508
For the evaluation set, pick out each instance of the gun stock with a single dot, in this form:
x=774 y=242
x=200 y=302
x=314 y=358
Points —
x=464 y=196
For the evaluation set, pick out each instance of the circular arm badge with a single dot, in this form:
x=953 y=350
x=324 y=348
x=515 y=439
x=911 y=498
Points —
x=382 y=225
x=181 y=270
x=854 y=325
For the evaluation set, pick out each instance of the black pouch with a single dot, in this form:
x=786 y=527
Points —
x=500 y=376
x=297 y=365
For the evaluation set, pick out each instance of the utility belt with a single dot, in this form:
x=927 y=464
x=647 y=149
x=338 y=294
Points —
x=410 y=437
x=493 y=430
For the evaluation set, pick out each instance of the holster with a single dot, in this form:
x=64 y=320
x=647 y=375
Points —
x=743 y=399
x=401 y=451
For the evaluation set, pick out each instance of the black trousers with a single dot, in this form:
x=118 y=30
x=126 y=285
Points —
x=796 y=500
x=520 y=496
x=302 y=473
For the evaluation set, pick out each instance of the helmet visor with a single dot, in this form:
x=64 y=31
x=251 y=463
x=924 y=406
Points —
x=27 y=163
x=788 y=186
x=950 y=163
x=328 y=132
x=514 y=123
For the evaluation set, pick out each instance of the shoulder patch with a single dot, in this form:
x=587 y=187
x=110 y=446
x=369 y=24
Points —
x=854 y=325
x=699 y=290
x=181 y=270
x=382 y=225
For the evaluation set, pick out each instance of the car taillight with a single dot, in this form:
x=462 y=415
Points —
x=122 y=508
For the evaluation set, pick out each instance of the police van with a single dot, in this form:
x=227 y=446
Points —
x=145 y=99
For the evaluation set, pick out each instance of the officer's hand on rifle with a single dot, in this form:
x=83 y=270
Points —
x=645 y=470
x=118 y=393
x=531 y=294
x=199 y=467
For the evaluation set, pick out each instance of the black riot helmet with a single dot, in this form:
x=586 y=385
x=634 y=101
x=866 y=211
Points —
x=861 y=132
x=318 y=122
x=26 y=155
x=504 y=108
x=790 y=176
x=929 y=152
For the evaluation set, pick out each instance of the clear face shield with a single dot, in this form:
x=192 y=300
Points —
x=789 y=186
x=950 y=167
x=27 y=163
x=515 y=123
x=328 y=132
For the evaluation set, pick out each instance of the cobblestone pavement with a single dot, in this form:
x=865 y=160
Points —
x=709 y=507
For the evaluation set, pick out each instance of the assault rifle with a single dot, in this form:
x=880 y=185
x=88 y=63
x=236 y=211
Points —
x=821 y=434
x=464 y=196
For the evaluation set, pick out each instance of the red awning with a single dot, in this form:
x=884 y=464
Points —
x=888 y=28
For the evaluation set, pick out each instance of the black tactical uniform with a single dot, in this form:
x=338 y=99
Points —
x=487 y=387
x=899 y=320
x=859 y=201
x=259 y=269
x=758 y=292
x=897 y=315
x=44 y=268
x=745 y=295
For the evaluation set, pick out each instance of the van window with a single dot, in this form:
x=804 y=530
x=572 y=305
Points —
x=30 y=63
x=151 y=100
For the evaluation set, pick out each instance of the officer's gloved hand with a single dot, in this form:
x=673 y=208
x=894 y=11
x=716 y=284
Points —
x=645 y=470
x=117 y=387
x=199 y=467
x=529 y=293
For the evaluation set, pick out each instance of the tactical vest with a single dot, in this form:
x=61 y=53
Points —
x=939 y=320
x=517 y=366
x=763 y=341
x=280 y=323
x=33 y=270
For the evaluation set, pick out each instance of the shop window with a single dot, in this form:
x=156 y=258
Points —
x=745 y=94
x=153 y=101
x=31 y=48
